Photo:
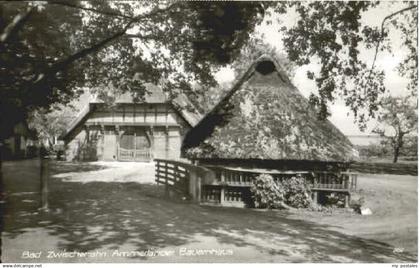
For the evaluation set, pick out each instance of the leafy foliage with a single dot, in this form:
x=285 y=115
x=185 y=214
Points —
x=50 y=125
x=410 y=147
x=384 y=150
x=374 y=151
x=226 y=27
x=398 y=118
x=333 y=34
x=268 y=193
x=297 y=192
x=27 y=54
x=50 y=49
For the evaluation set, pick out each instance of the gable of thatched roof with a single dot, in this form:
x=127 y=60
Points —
x=154 y=95
x=265 y=117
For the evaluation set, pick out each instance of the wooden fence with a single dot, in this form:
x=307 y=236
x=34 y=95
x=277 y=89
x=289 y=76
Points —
x=181 y=177
x=134 y=155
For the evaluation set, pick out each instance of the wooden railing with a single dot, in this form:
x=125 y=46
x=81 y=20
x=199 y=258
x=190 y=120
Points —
x=326 y=181
x=316 y=179
x=232 y=186
x=181 y=177
x=171 y=174
x=134 y=155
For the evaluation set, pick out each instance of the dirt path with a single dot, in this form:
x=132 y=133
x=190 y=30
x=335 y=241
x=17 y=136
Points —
x=116 y=221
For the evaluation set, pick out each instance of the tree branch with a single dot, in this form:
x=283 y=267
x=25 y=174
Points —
x=383 y=32
x=80 y=54
x=140 y=36
x=62 y=65
x=107 y=13
x=15 y=25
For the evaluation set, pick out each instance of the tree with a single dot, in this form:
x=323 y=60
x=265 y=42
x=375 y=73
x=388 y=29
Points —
x=410 y=148
x=49 y=49
x=398 y=117
x=333 y=34
x=51 y=125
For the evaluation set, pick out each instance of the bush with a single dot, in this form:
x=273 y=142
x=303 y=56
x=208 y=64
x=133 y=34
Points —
x=266 y=192
x=335 y=200
x=290 y=191
x=374 y=151
x=297 y=192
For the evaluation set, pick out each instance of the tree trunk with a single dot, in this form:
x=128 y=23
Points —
x=1 y=198
x=397 y=146
x=396 y=154
x=44 y=174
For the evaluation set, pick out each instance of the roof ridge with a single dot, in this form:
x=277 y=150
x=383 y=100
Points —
x=240 y=80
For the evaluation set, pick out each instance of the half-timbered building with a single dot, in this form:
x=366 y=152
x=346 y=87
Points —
x=130 y=130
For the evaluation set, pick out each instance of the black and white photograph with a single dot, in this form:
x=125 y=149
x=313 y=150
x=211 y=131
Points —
x=208 y=132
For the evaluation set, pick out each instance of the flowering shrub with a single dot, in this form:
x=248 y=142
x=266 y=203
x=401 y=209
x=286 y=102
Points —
x=266 y=192
x=297 y=192
x=290 y=191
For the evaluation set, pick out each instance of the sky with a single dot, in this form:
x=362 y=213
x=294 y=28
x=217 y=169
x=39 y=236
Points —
x=341 y=116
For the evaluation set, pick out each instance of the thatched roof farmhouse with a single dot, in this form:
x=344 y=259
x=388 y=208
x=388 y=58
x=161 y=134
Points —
x=264 y=116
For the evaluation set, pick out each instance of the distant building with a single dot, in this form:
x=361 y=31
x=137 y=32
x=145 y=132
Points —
x=130 y=130
x=21 y=144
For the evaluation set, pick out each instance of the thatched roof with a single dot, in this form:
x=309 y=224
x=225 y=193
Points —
x=153 y=95
x=265 y=117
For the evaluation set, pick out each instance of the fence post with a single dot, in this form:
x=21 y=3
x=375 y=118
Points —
x=315 y=197
x=198 y=189
x=315 y=180
x=223 y=188
x=166 y=180
x=354 y=181
x=347 y=200
x=194 y=181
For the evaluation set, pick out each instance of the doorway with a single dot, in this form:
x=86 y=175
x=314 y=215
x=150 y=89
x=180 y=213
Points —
x=134 y=145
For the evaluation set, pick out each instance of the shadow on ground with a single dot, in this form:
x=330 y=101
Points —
x=99 y=215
